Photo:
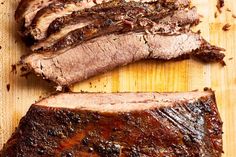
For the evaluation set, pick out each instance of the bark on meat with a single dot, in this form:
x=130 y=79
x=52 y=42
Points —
x=186 y=124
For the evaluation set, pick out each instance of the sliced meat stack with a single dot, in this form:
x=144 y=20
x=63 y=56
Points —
x=74 y=40
x=120 y=125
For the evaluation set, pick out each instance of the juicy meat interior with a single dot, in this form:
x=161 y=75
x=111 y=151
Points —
x=108 y=52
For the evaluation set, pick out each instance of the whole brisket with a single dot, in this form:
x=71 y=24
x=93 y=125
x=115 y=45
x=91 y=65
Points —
x=120 y=125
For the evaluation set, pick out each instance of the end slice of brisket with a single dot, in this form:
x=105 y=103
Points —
x=27 y=9
x=122 y=124
x=45 y=16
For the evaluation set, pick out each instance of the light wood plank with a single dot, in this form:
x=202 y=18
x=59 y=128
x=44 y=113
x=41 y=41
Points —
x=142 y=76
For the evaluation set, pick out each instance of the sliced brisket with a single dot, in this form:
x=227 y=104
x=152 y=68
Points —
x=124 y=124
x=108 y=52
x=109 y=34
x=115 y=13
x=44 y=17
x=52 y=39
x=111 y=9
x=118 y=23
x=27 y=9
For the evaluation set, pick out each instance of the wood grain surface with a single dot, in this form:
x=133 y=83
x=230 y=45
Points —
x=142 y=76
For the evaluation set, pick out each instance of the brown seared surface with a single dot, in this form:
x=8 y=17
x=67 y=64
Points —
x=109 y=26
x=60 y=8
x=113 y=9
x=165 y=21
x=27 y=9
x=182 y=128
x=44 y=17
x=52 y=39
x=101 y=19
x=82 y=61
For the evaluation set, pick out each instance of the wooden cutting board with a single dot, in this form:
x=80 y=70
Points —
x=142 y=76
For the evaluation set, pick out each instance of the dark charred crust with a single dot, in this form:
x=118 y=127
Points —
x=27 y=9
x=31 y=31
x=28 y=40
x=209 y=53
x=80 y=35
x=36 y=33
x=107 y=149
x=123 y=22
x=21 y=8
x=186 y=128
x=51 y=8
x=110 y=10
x=60 y=23
x=137 y=23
